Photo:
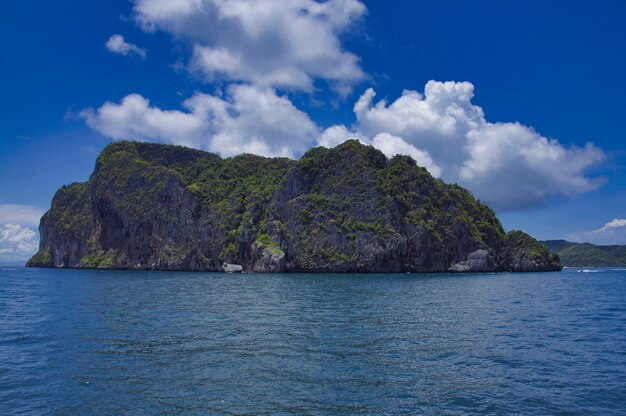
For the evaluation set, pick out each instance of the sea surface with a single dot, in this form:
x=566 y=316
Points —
x=79 y=342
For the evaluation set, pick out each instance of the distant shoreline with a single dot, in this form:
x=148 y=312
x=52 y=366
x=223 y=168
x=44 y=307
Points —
x=587 y=254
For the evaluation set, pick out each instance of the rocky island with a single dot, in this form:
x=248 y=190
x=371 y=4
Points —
x=345 y=209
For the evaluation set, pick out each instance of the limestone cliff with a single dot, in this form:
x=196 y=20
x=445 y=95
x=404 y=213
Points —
x=346 y=209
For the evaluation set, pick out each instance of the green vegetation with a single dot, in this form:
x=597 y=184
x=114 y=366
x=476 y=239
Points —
x=240 y=189
x=351 y=200
x=41 y=259
x=588 y=255
x=263 y=241
x=97 y=260
x=520 y=245
x=436 y=205
x=521 y=240
x=70 y=213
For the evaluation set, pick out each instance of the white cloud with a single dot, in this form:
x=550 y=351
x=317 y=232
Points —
x=270 y=43
x=249 y=119
x=515 y=167
x=335 y=135
x=508 y=165
x=612 y=225
x=257 y=47
x=392 y=145
x=18 y=238
x=26 y=215
x=134 y=118
x=613 y=232
x=17 y=242
x=117 y=44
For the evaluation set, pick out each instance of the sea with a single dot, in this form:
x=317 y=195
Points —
x=96 y=342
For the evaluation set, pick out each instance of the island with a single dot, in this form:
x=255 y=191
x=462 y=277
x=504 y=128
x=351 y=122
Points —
x=344 y=209
x=587 y=254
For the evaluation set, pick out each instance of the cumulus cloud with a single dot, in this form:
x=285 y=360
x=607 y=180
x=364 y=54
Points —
x=117 y=44
x=335 y=135
x=269 y=43
x=256 y=48
x=617 y=223
x=392 y=145
x=509 y=165
x=26 y=215
x=515 y=167
x=18 y=238
x=248 y=120
x=134 y=118
x=613 y=232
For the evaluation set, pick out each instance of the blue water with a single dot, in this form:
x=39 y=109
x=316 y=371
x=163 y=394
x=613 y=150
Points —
x=114 y=342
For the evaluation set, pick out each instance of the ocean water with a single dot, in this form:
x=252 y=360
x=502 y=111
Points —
x=114 y=342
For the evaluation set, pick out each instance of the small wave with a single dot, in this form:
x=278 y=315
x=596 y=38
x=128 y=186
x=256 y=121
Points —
x=601 y=270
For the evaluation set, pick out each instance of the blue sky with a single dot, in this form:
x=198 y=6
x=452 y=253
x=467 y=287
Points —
x=518 y=92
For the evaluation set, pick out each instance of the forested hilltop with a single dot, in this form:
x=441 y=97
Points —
x=588 y=255
x=345 y=209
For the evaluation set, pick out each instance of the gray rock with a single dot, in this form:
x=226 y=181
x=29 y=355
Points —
x=269 y=260
x=477 y=261
x=232 y=268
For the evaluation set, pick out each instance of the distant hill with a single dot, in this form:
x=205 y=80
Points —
x=586 y=254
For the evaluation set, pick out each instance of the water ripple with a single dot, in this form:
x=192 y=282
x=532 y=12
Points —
x=112 y=342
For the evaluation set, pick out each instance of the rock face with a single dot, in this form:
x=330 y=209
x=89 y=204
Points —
x=232 y=268
x=523 y=253
x=478 y=261
x=346 y=209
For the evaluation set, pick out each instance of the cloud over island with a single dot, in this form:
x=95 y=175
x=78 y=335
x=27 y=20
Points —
x=263 y=51
x=509 y=165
